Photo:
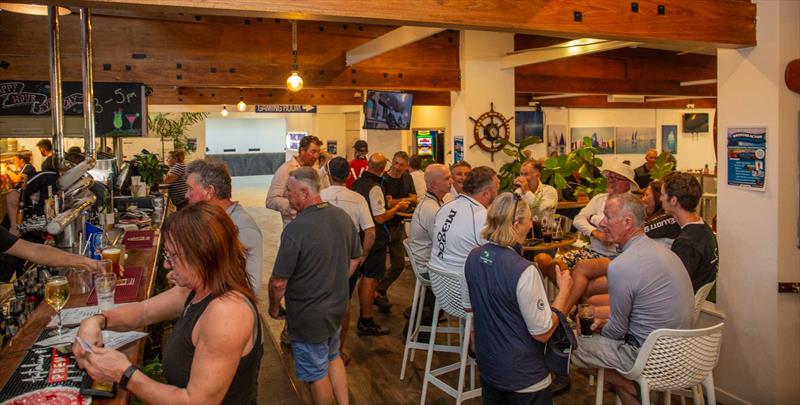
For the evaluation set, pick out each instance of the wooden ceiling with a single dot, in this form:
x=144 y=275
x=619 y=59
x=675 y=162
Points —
x=210 y=59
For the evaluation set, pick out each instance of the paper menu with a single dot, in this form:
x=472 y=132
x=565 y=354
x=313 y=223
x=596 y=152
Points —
x=111 y=339
x=74 y=316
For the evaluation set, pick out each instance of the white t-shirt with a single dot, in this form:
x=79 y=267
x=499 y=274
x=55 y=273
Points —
x=418 y=176
x=377 y=201
x=352 y=203
x=420 y=233
x=545 y=197
x=457 y=230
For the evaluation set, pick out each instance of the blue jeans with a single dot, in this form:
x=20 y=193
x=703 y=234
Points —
x=311 y=359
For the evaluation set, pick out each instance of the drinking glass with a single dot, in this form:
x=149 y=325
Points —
x=547 y=229
x=56 y=294
x=585 y=319
x=116 y=254
x=104 y=285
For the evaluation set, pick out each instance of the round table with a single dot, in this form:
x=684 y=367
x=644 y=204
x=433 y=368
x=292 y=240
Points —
x=541 y=247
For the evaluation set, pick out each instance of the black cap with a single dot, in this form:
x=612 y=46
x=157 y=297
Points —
x=338 y=168
x=361 y=146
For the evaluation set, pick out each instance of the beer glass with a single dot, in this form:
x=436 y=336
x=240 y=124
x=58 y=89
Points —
x=585 y=319
x=56 y=294
x=117 y=256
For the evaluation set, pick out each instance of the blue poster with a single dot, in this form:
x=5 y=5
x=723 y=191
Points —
x=458 y=149
x=747 y=152
x=669 y=139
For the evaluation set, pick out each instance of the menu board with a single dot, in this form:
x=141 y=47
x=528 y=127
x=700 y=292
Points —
x=120 y=109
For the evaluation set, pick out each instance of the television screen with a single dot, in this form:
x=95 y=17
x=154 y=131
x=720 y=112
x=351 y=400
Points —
x=528 y=124
x=387 y=110
x=695 y=122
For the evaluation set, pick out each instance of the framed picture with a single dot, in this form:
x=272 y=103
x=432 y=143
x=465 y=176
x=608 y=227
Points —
x=602 y=138
x=669 y=138
x=556 y=142
x=635 y=139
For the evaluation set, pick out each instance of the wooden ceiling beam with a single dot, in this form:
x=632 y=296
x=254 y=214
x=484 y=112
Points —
x=531 y=83
x=720 y=23
x=564 y=50
x=228 y=96
x=601 y=101
x=391 y=40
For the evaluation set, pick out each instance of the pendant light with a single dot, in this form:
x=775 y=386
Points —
x=224 y=111
x=294 y=83
x=241 y=106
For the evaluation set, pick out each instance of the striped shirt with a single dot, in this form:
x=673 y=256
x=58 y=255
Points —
x=177 y=189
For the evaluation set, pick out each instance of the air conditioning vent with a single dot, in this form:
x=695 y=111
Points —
x=625 y=98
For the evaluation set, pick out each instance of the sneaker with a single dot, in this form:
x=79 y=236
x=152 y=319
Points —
x=382 y=302
x=368 y=327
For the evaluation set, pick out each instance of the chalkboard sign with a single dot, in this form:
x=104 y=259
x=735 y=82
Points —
x=120 y=109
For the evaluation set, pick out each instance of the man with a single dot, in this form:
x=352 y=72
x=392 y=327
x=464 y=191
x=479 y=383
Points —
x=540 y=197
x=357 y=208
x=22 y=171
x=415 y=170
x=318 y=251
x=649 y=290
x=458 y=173
x=374 y=267
x=397 y=186
x=696 y=244
x=209 y=180
x=46 y=149
x=643 y=171
x=359 y=164
x=420 y=232
x=458 y=225
x=40 y=254
x=307 y=156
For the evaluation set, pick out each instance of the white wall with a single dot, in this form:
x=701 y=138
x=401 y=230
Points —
x=268 y=135
x=760 y=360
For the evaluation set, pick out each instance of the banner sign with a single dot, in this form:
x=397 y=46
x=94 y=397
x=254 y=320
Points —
x=293 y=140
x=285 y=108
x=747 y=152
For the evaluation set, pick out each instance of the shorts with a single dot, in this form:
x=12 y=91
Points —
x=375 y=264
x=572 y=257
x=311 y=359
x=599 y=351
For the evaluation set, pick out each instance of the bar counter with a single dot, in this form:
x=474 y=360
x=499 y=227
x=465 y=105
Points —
x=13 y=354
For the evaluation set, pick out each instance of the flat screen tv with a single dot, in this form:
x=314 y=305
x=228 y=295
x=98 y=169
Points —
x=695 y=122
x=528 y=124
x=387 y=110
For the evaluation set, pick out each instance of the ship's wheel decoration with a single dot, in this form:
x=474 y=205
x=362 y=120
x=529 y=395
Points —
x=490 y=127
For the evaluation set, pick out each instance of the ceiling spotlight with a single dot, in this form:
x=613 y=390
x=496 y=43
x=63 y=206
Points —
x=224 y=111
x=294 y=82
x=31 y=9
x=241 y=106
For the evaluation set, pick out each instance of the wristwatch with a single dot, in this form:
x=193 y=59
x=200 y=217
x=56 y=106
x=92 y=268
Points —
x=126 y=376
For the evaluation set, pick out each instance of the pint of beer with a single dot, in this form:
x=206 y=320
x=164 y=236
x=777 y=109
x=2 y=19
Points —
x=116 y=255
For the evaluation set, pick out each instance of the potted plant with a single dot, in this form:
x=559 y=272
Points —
x=577 y=171
x=510 y=170
x=175 y=129
x=149 y=168
x=665 y=164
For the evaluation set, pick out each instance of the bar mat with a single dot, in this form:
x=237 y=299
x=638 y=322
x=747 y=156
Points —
x=127 y=287
x=138 y=239
x=45 y=376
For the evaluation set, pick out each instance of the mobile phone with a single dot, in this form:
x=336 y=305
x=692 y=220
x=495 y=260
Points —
x=96 y=389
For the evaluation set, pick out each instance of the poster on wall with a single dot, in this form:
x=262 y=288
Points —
x=636 y=140
x=602 y=138
x=747 y=152
x=332 y=147
x=556 y=143
x=528 y=124
x=669 y=138
x=293 y=140
x=458 y=148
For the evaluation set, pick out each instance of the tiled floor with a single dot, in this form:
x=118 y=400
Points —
x=374 y=371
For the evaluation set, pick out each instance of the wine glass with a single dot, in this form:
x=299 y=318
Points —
x=56 y=293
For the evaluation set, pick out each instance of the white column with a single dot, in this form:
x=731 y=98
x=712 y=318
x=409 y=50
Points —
x=482 y=82
x=760 y=361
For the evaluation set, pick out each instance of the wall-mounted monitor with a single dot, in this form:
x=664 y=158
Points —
x=528 y=124
x=695 y=122
x=387 y=110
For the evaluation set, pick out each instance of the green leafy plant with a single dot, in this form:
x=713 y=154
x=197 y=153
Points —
x=175 y=129
x=149 y=168
x=665 y=164
x=510 y=170
x=558 y=170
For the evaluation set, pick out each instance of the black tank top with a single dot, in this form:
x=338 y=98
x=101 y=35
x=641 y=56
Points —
x=179 y=353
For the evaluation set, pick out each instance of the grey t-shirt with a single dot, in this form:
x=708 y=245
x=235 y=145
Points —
x=314 y=256
x=250 y=237
x=649 y=289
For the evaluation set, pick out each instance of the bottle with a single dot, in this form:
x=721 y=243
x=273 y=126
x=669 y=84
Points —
x=705 y=169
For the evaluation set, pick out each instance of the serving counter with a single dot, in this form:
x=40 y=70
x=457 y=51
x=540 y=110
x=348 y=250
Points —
x=147 y=258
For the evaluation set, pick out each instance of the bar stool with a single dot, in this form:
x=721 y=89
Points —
x=447 y=288
x=417 y=305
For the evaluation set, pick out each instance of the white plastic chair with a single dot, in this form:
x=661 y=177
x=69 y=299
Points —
x=673 y=359
x=699 y=298
x=447 y=288
x=415 y=319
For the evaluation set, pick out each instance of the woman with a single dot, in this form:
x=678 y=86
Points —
x=176 y=178
x=214 y=352
x=590 y=275
x=512 y=318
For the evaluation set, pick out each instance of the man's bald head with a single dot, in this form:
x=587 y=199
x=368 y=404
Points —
x=377 y=163
x=437 y=179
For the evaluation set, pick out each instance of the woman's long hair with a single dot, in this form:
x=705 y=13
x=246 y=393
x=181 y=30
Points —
x=655 y=188
x=208 y=241
x=506 y=209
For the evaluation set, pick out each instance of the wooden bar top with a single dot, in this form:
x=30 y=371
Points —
x=12 y=354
